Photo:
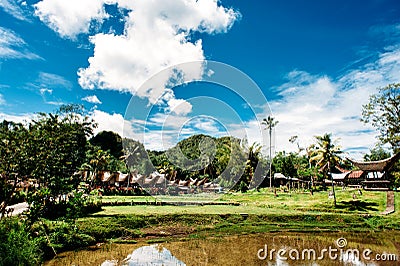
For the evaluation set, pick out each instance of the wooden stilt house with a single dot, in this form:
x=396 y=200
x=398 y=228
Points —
x=377 y=172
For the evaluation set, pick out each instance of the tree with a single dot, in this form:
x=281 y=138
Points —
x=58 y=149
x=96 y=160
x=325 y=154
x=285 y=164
x=383 y=113
x=270 y=124
x=14 y=160
x=108 y=141
x=376 y=154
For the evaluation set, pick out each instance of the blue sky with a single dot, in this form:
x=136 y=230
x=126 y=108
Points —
x=313 y=64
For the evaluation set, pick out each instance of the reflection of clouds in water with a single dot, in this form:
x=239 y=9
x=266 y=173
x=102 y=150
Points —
x=350 y=259
x=148 y=255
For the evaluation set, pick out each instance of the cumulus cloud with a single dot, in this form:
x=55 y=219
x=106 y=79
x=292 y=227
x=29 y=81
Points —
x=12 y=46
x=91 y=99
x=157 y=35
x=72 y=17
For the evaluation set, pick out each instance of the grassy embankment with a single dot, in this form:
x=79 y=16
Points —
x=257 y=212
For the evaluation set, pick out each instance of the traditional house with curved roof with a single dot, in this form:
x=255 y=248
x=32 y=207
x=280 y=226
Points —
x=376 y=177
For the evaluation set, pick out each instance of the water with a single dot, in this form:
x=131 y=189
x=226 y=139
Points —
x=284 y=249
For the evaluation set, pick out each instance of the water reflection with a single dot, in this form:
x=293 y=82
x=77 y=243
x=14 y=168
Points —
x=241 y=250
x=152 y=255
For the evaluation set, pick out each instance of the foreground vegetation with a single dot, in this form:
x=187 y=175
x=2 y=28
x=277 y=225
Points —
x=258 y=212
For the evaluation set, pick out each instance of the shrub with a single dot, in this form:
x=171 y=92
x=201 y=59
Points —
x=17 y=246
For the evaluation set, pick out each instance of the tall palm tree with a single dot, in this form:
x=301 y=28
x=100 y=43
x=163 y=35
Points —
x=325 y=154
x=270 y=123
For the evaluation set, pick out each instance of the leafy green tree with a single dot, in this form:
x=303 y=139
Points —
x=58 y=149
x=383 y=113
x=15 y=163
x=325 y=154
x=109 y=141
x=235 y=171
x=376 y=154
x=96 y=160
x=285 y=164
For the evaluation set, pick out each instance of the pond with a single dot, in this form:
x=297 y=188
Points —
x=284 y=248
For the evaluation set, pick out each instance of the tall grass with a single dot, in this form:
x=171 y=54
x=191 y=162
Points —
x=17 y=246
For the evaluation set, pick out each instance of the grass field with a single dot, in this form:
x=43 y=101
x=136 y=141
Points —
x=263 y=202
x=257 y=212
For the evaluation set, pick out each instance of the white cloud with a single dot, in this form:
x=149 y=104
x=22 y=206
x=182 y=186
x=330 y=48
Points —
x=157 y=35
x=72 y=17
x=176 y=106
x=92 y=99
x=315 y=105
x=53 y=80
x=2 y=101
x=15 y=9
x=48 y=85
x=44 y=91
x=21 y=118
x=180 y=106
x=13 y=46
x=109 y=122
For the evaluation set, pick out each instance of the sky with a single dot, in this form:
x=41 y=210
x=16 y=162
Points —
x=162 y=70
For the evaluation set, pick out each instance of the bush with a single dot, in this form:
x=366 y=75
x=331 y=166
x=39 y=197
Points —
x=75 y=204
x=65 y=235
x=17 y=246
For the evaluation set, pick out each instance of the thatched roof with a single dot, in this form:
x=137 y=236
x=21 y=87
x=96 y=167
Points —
x=377 y=166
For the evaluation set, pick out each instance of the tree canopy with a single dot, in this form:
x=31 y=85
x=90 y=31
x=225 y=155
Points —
x=108 y=141
x=325 y=155
x=383 y=113
x=49 y=149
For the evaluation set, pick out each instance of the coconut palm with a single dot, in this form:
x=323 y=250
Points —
x=325 y=154
x=270 y=123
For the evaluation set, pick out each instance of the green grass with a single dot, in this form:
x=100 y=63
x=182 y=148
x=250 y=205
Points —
x=204 y=197
x=263 y=202
x=257 y=212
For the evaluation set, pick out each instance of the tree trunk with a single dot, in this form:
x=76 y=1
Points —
x=333 y=186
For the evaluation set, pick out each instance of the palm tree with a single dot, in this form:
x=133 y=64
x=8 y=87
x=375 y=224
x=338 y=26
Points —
x=253 y=157
x=270 y=123
x=326 y=155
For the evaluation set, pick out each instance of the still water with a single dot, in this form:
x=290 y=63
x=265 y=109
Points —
x=314 y=248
